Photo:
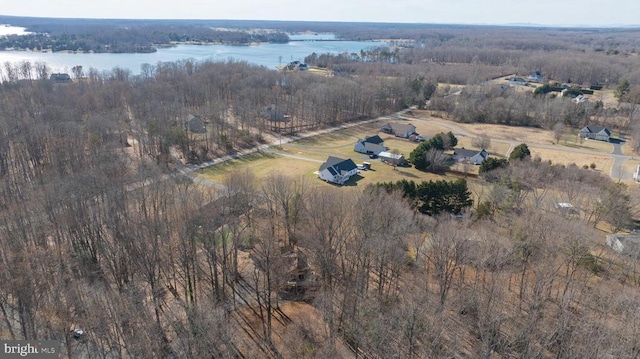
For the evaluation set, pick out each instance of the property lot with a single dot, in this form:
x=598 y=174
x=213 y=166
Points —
x=603 y=163
x=303 y=157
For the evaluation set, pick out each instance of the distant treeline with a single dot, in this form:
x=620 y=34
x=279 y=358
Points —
x=121 y=35
x=120 y=38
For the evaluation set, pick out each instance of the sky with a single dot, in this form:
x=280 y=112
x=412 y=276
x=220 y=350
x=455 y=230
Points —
x=495 y=12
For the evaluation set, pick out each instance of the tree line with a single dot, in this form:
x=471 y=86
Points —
x=100 y=234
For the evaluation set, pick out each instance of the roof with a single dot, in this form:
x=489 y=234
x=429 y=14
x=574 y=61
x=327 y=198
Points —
x=195 y=125
x=400 y=127
x=630 y=242
x=336 y=165
x=390 y=155
x=596 y=129
x=462 y=152
x=373 y=139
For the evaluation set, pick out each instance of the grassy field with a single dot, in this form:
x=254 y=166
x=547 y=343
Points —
x=303 y=158
x=603 y=163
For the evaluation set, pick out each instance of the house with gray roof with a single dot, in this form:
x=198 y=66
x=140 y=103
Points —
x=472 y=156
x=337 y=170
x=625 y=243
x=195 y=124
x=403 y=130
x=595 y=133
x=371 y=145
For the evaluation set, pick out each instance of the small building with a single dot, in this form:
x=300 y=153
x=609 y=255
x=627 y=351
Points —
x=274 y=113
x=297 y=65
x=566 y=209
x=518 y=81
x=392 y=158
x=60 y=78
x=636 y=174
x=195 y=124
x=403 y=130
x=536 y=76
x=337 y=170
x=471 y=156
x=624 y=243
x=595 y=133
x=371 y=145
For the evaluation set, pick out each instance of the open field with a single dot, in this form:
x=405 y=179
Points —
x=603 y=163
x=573 y=141
x=528 y=135
x=630 y=166
x=261 y=164
x=303 y=157
x=627 y=150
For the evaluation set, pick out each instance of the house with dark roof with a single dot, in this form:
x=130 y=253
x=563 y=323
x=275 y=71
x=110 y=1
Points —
x=403 y=130
x=195 y=124
x=518 y=81
x=472 y=156
x=337 y=170
x=595 y=133
x=274 y=113
x=60 y=78
x=536 y=76
x=371 y=145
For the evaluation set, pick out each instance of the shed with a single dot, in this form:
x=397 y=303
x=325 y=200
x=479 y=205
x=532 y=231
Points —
x=392 y=158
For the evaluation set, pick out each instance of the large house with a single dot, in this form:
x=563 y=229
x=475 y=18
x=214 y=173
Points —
x=595 y=133
x=471 y=156
x=371 y=145
x=337 y=170
x=403 y=130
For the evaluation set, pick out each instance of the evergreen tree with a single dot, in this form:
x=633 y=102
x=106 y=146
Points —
x=491 y=164
x=520 y=152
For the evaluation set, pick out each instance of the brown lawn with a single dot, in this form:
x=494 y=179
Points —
x=603 y=163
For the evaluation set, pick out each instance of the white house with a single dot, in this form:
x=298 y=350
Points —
x=624 y=243
x=471 y=156
x=370 y=145
x=392 y=158
x=399 y=129
x=336 y=170
x=595 y=133
x=636 y=174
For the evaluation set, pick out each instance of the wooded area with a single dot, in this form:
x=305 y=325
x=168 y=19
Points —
x=102 y=230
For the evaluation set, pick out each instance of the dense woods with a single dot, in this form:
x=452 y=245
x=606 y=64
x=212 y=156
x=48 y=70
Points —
x=102 y=229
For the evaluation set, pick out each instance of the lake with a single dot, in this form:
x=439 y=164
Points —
x=268 y=55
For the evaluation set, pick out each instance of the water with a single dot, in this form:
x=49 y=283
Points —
x=268 y=55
